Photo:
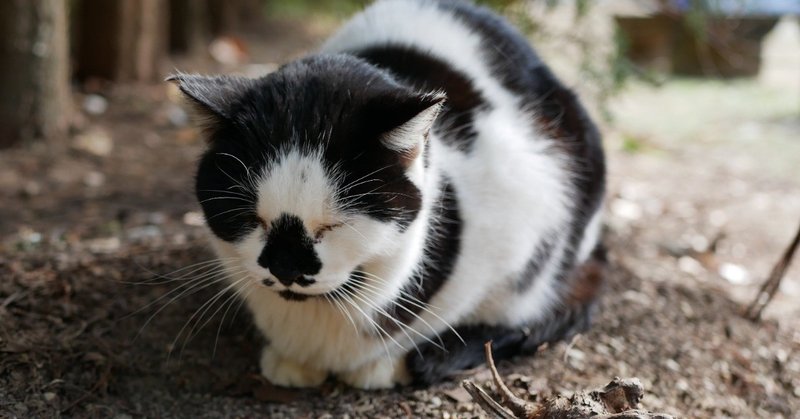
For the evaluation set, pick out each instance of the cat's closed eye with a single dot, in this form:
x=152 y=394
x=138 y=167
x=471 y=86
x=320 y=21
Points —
x=321 y=230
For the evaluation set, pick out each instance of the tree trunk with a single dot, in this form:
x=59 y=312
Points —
x=230 y=17
x=122 y=40
x=189 y=26
x=34 y=78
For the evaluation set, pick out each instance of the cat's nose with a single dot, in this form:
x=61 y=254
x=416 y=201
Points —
x=287 y=277
x=290 y=276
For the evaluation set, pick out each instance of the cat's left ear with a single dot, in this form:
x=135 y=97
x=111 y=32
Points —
x=213 y=97
x=411 y=134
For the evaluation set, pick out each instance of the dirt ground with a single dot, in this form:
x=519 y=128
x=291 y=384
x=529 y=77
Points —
x=94 y=233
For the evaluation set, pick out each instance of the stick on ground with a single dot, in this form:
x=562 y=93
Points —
x=773 y=282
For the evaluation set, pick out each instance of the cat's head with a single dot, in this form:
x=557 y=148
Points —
x=310 y=171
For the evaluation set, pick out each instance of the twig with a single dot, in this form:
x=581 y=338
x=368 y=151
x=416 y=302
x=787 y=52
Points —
x=619 y=399
x=517 y=406
x=485 y=401
x=773 y=282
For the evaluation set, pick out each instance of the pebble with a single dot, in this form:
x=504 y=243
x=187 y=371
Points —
x=734 y=274
x=49 y=396
x=96 y=141
x=94 y=179
x=177 y=117
x=690 y=265
x=436 y=401
x=673 y=365
x=625 y=209
x=95 y=104
x=143 y=233
x=31 y=188
x=193 y=218
x=103 y=245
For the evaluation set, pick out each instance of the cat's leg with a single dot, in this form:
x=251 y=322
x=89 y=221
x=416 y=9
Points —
x=383 y=372
x=283 y=371
x=466 y=348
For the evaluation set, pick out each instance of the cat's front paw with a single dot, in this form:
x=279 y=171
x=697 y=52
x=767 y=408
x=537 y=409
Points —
x=378 y=374
x=285 y=372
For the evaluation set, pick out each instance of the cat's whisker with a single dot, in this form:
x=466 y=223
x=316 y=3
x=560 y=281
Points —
x=350 y=226
x=235 y=292
x=377 y=292
x=350 y=185
x=231 y=198
x=246 y=168
x=332 y=299
x=379 y=330
x=191 y=287
x=187 y=283
x=242 y=293
x=240 y=209
x=340 y=294
x=229 y=192
x=366 y=300
x=200 y=266
x=236 y=182
x=421 y=305
x=401 y=324
x=204 y=308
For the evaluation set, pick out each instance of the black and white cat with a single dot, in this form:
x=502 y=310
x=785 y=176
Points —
x=422 y=185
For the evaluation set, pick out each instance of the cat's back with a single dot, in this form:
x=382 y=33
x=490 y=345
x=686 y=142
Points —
x=451 y=45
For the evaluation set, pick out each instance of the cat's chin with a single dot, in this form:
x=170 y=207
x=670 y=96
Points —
x=295 y=296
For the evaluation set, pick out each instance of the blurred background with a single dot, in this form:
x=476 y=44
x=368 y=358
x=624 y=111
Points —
x=698 y=100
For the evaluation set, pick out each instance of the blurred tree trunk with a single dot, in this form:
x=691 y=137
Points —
x=34 y=77
x=189 y=26
x=231 y=16
x=124 y=40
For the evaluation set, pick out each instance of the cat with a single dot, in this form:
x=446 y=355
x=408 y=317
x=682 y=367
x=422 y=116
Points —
x=419 y=186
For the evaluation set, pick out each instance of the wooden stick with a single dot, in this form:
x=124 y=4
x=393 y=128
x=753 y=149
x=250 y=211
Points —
x=773 y=282
x=517 y=406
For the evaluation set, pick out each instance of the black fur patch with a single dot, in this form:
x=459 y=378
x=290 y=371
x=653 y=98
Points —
x=442 y=246
x=427 y=73
x=540 y=256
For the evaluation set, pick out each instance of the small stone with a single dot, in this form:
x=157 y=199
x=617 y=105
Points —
x=436 y=401
x=95 y=141
x=94 y=179
x=673 y=365
x=143 y=233
x=103 y=245
x=690 y=265
x=177 y=116
x=193 y=218
x=49 y=396
x=31 y=188
x=95 y=104
x=625 y=209
x=734 y=274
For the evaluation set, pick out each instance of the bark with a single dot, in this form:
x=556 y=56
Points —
x=230 y=17
x=122 y=40
x=189 y=26
x=34 y=78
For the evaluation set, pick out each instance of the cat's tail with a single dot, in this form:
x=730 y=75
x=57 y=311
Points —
x=431 y=364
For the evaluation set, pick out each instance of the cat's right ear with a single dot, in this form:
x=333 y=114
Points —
x=211 y=98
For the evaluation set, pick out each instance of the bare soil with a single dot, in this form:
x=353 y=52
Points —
x=89 y=242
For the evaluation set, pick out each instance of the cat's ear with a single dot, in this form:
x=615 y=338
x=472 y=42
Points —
x=212 y=98
x=420 y=114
